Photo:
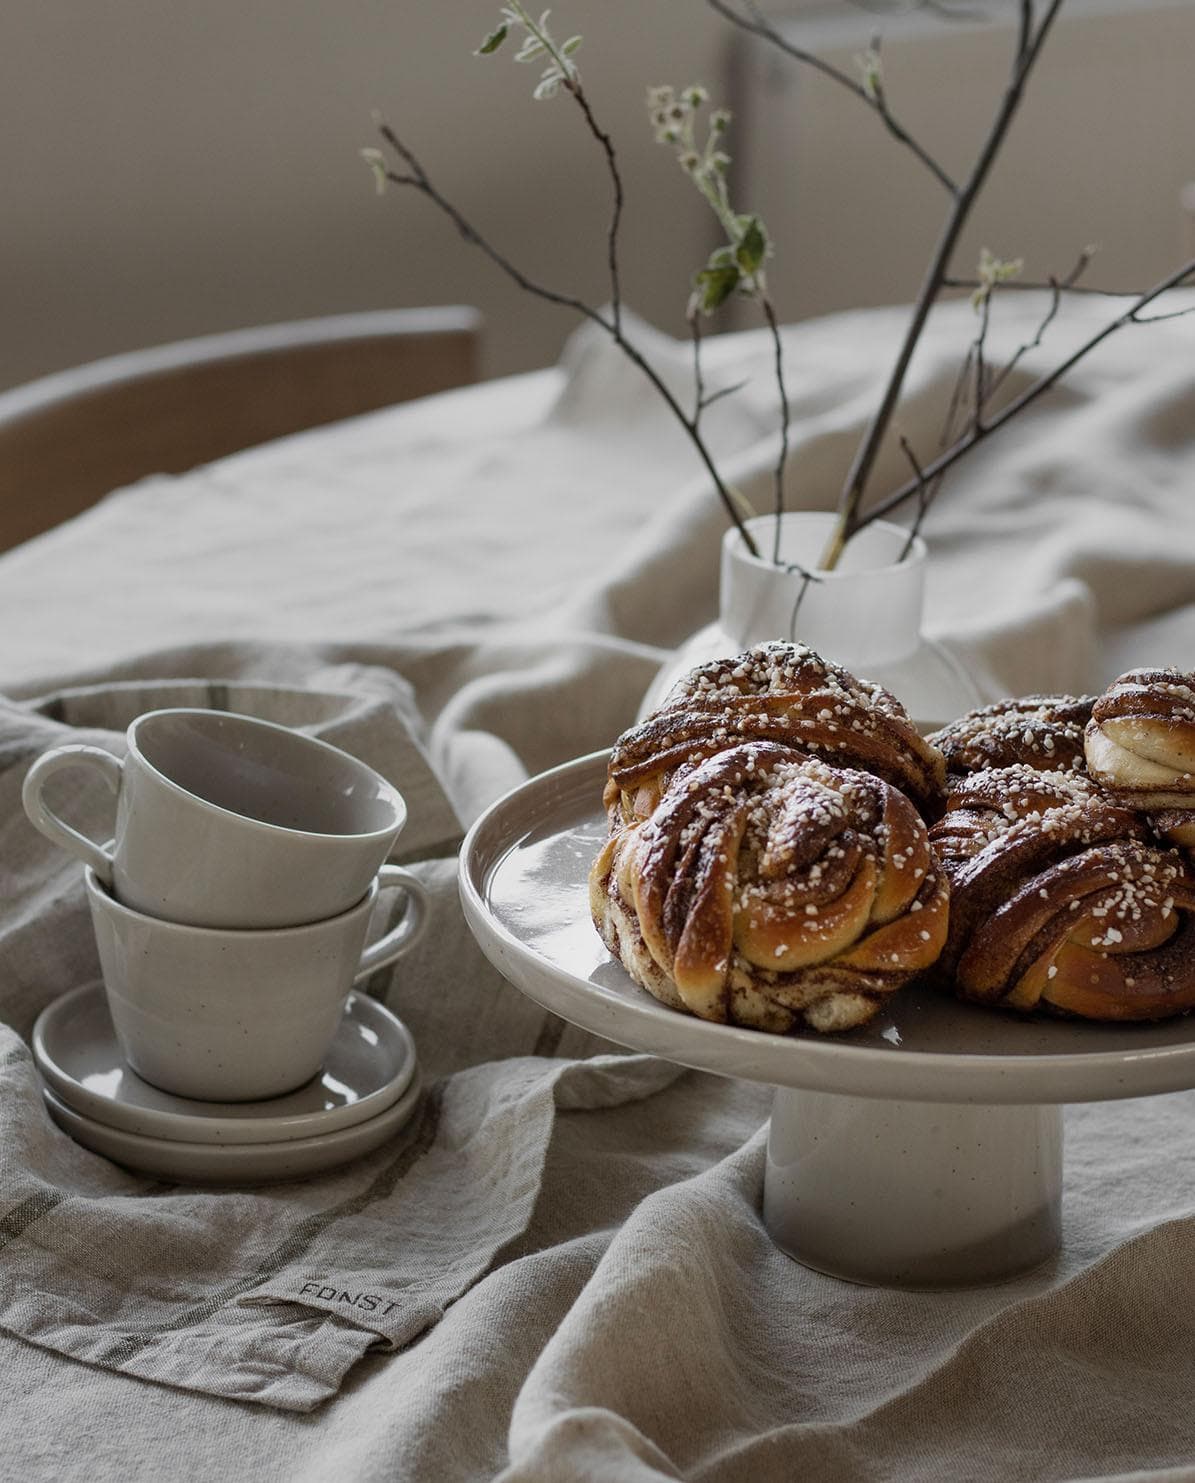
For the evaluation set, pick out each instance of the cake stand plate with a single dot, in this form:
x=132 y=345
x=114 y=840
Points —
x=922 y=1149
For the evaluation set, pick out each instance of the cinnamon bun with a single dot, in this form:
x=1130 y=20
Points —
x=770 y=889
x=1061 y=900
x=782 y=693
x=1042 y=731
x=1140 y=744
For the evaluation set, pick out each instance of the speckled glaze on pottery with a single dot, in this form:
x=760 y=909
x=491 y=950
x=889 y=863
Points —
x=366 y=1069
x=237 y=1164
x=225 y=1015
x=226 y=821
x=864 y=615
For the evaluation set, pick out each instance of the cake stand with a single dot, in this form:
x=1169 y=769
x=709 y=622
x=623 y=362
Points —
x=924 y=1149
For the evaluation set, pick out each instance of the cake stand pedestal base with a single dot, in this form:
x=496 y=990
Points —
x=913 y=1194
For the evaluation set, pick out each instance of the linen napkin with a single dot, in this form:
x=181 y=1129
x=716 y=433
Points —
x=271 y=1294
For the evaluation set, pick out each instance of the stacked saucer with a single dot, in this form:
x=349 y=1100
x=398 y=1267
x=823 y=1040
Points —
x=232 y=912
x=368 y=1088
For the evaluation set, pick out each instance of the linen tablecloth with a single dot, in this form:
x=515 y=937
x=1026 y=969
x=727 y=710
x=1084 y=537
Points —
x=466 y=591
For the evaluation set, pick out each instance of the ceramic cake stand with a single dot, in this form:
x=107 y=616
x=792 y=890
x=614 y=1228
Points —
x=923 y=1149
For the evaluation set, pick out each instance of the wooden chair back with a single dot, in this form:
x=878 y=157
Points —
x=69 y=439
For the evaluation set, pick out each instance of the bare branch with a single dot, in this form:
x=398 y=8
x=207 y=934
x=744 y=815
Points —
x=980 y=393
x=1082 y=263
x=925 y=495
x=419 y=180
x=1023 y=350
x=1024 y=26
x=1038 y=285
x=957 y=398
x=1158 y=318
x=563 y=73
x=757 y=25
x=850 y=504
x=782 y=459
x=1068 y=284
x=574 y=87
x=716 y=396
x=699 y=402
x=977 y=433
x=808 y=579
x=702 y=398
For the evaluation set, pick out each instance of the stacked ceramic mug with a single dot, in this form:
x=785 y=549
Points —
x=231 y=911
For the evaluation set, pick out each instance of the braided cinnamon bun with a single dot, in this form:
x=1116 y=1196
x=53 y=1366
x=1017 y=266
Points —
x=1140 y=743
x=981 y=806
x=1061 y=901
x=776 y=692
x=769 y=888
x=1042 y=731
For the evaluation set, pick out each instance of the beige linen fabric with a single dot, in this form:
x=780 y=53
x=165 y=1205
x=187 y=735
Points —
x=586 y=1289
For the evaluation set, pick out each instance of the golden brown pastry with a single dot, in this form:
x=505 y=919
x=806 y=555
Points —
x=777 y=692
x=1043 y=731
x=1061 y=900
x=1140 y=744
x=769 y=888
x=981 y=806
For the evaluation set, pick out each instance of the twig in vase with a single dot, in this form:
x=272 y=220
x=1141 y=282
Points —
x=1029 y=45
x=702 y=398
x=952 y=424
x=561 y=74
x=782 y=457
x=925 y=497
x=795 y=569
x=737 y=267
x=1032 y=32
x=872 y=94
x=1014 y=360
x=985 y=429
x=994 y=274
x=1040 y=285
x=1068 y=284
x=978 y=362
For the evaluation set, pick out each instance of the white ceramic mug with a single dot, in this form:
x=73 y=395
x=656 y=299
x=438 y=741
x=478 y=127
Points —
x=234 y=1016
x=226 y=821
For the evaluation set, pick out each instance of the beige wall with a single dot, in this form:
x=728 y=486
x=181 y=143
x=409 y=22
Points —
x=1098 y=153
x=175 y=168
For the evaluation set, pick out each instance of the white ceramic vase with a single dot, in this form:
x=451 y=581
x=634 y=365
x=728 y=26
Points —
x=865 y=614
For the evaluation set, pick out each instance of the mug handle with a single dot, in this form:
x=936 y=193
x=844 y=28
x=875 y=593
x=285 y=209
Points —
x=408 y=931
x=110 y=769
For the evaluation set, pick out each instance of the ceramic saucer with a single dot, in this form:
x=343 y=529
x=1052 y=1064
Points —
x=237 y=1163
x=368 y=1068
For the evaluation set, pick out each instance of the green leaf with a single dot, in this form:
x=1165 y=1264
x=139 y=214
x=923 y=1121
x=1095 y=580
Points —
x=570 y=46
x=714 y=286
x=752 y=247
x=493 y=41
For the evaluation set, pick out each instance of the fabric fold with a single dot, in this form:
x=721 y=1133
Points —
x=272 y=1295
x=464 y=592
